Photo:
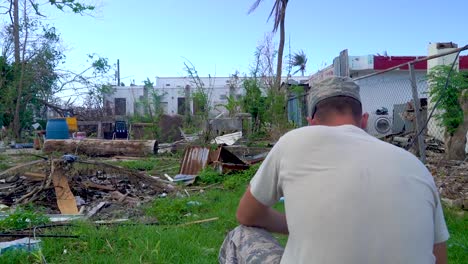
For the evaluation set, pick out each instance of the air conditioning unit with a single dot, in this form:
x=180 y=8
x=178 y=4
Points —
x=379 y=125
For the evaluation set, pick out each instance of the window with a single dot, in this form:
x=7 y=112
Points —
x=168 y=84
x=181 y=105
x=120 y=106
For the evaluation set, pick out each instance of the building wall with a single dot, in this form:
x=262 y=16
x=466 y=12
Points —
x=173 y=88
x=131 y=95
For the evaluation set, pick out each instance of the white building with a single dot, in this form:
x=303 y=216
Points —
x=124 y=100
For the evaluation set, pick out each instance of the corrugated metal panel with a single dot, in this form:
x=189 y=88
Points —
x=194 y=160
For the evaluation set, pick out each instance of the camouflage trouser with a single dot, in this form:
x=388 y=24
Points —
x=250 y=245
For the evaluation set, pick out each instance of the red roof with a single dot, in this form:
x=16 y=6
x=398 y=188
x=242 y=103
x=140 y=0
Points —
x=385 y=62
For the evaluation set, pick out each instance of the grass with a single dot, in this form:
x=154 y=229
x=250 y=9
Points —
x=457 y=222
x=171 y=243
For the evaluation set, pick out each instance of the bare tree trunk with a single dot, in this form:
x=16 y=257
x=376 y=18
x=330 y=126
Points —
x=279 y=65
x=16 y=117
x=455 y=144
x=20 y=61
x=16 y=30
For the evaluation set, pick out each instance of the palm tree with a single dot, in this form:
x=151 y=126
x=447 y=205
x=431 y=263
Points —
x=299 y=59
x=279 y=11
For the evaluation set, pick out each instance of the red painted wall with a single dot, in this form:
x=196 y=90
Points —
x=463 y=62
x=385 y=62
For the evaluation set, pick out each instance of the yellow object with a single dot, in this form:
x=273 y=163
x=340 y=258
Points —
x=72 y=124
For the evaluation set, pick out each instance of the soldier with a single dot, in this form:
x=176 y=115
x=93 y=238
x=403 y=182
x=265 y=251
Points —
x=349 y=197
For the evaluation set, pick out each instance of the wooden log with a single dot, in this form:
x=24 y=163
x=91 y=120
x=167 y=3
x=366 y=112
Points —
x=102 y=147
x=33 y=176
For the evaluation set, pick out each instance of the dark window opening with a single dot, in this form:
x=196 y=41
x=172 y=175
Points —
x=120 y=106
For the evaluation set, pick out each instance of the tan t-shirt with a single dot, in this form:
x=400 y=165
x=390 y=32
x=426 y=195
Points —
x=351 y=198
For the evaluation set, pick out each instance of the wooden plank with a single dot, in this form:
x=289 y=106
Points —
x=92 y=185
x=200 y=221
x=65 y=199
x=34 y=175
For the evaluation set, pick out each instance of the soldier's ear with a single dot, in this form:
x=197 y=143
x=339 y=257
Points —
x=312 y=121
x=364 y=119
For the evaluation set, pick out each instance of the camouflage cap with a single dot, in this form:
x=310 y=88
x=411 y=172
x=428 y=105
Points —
x=331 y=87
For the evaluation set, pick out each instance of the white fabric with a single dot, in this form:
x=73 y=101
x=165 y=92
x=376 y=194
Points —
x=351 y=198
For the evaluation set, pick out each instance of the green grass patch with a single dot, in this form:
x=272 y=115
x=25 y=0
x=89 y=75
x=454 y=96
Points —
x=241 y=178
x=210 y=176
x=141 y=165
x=4 y=162
x=23 y=217
x=457 y=245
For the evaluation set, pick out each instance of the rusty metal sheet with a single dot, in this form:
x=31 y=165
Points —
x=195 y=159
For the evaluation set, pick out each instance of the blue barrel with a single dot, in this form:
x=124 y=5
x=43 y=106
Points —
x=57 y=129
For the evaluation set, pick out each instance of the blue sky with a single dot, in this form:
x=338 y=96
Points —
x=152 y=37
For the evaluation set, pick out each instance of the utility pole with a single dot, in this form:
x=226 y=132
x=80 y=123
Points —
x=118 y=72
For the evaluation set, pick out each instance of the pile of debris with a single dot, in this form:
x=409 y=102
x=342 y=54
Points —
x=222 y=159
x=72 y=186
x=451 y=177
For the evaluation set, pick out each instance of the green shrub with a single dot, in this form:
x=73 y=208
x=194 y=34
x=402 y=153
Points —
x=23 y=217
x=210 y=176
x=240 y=178
x=451 y=114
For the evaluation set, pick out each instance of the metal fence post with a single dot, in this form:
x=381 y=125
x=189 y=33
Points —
x=417 y=109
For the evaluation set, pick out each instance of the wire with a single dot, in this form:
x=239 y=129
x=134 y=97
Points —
x=436 y=104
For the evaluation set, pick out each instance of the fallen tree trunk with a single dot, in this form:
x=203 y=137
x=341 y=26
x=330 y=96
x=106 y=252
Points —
x=101 y=147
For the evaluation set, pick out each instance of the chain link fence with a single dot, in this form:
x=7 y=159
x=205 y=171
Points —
x=404 y=112
x=401 y=110
x=390 y=102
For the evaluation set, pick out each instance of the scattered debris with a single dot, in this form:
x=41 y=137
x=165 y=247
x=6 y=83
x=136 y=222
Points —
x=187 y=179
x=27 y=244
x=95 y=209
x=228 y=139
x=189 y=137
x=168 y=177
x=200 y=221
x=196 y=158
x=451 y=178
x=7 y=172
x=78 y=187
